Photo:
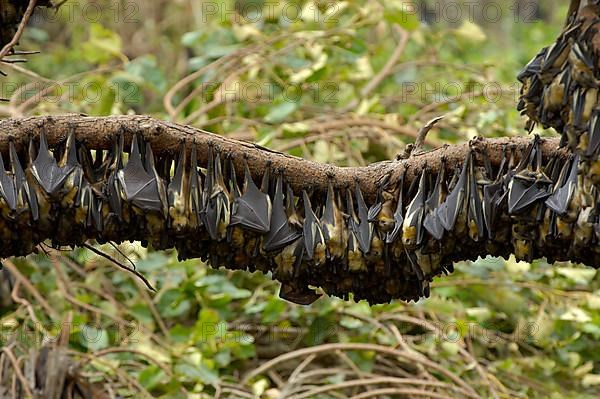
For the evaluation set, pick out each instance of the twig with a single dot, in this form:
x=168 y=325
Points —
x=30 y=7
x=120 y=265
x=27 y=284
x=389 y=65
x=17 y=369
x=422 y=134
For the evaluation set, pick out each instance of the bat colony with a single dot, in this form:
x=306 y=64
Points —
x=379 y=251
x=529 y=205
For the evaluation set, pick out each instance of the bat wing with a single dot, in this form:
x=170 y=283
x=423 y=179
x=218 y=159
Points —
x=491 y=193
x=374 y=211
x=594 y=132
x=560 y=199
x=140 y=188
x=253 y=210
x=312 y=230
x=8 y=189
x=364 y=227
x=48 y=174
x=280 y=232
x=450 y=208
x=522 y=194
x=433 y=225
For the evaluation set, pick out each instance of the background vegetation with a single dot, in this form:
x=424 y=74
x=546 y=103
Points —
x=346 y=83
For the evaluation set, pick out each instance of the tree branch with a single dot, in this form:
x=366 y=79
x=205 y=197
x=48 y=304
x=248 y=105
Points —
x=375 y=254
x=165 y=138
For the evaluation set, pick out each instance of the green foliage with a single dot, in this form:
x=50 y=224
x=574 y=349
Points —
x=298 y=84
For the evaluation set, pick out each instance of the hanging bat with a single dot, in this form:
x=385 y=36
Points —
x=217 y=210
x=356 y=260
x=495 y=193
x=289 y=260
x=412 y=228
x=376 y=209
x=26 y=205
x=74 y=180
x=583 y=65
x=140 y=187
x=594 y=136
x=280 y=232
x=454 y=204
x=162 y=192
x=534 y=66
x=475 y=212
x=432 y=222
x=560 y=200
x=334 y=228
x=45 y=169
x=314 y=241
x=364 y=229
x=398 y=213
x=253 y=208
x=196 y=191
x=529 y=184
x=8 y=189
x=178 y=193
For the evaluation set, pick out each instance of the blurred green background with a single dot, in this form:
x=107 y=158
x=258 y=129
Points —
x=348 y=83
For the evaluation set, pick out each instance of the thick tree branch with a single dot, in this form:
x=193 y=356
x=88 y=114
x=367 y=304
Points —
x=165 y=138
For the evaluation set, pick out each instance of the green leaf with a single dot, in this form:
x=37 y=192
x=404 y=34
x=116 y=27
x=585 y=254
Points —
x=402 y=13
x=197 y=373
x=93 y=338
x=151 y=377
x=279 y=112
x=102 y=46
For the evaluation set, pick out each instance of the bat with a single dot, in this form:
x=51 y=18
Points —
x=314 y=241
x=356 y=261
x=414 y=264
x=432 y=223
x=89 y=211
x=565 y=188
x=412 y=228
x=398 y=213
x=594 y=136
x=377 y=207
x=364 y=229
x=289 y=260
x=217 y=210
x=583 y=65
x=533 y=67
x=529 y=184
x=475 y=213
x=290 y=208
x=178 y=193
x=8 y=188
x=74 y=179
x=253 y=208
x=234 y=187
x=140 y=188
x=493 y=196
x=333 y=224
x=151 y=169
x=196 y=191
x=280 y=232
x=555 y=58
x=45 y=169
x=454 y=203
